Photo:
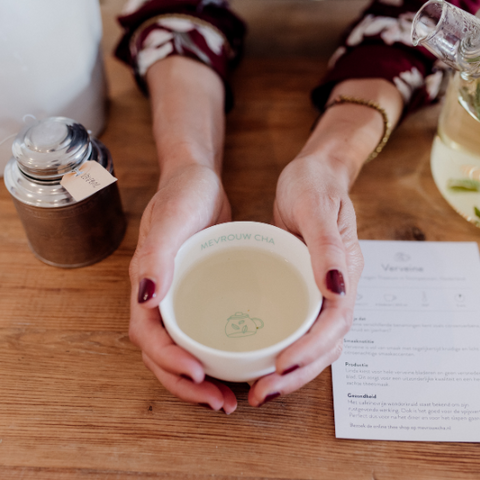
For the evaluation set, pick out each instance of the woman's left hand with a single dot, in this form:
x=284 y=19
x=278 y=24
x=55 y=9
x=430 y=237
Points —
x=312 y=202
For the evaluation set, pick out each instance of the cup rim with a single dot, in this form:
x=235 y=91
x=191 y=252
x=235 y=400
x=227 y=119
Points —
x=310 y=318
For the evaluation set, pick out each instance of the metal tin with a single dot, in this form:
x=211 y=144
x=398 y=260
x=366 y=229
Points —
x=61 y=231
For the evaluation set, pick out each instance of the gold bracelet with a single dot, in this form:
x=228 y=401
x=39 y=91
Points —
x=341 y=99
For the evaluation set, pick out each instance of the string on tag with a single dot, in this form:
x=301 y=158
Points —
x=28 y=115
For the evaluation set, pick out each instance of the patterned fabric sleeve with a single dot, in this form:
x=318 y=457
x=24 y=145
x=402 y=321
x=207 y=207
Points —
x=379 y=46
x=205 y=30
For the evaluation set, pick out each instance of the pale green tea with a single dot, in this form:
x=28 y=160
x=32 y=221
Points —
x=241 y=299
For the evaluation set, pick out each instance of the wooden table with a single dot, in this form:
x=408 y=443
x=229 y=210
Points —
x=76 y=401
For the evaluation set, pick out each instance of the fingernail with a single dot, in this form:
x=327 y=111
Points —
x=186 y=377
x=226 y=413
x=335 y=282
x=146 y=290
x=270 y=397
x=206 y=405
x=290 y=370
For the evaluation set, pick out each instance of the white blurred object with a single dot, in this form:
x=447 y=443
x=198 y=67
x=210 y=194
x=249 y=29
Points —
x=50 y=65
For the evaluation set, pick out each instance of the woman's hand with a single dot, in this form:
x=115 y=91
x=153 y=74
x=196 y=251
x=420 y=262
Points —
x=186 y=202
x=312 y=202
x=187 y=100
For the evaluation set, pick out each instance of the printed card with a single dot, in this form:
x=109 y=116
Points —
x=410 y=369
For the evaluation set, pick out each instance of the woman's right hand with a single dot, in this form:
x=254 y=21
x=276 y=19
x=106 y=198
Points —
x=187 y=100
x=187 y=201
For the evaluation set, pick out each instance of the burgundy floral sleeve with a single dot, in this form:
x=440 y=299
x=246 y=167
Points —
x=378 y=45
x=205 y=30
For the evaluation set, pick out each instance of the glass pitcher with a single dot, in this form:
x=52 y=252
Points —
x=453 y=35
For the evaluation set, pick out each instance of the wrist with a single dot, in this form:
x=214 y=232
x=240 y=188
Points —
x=344 y=138
x=175 y=156
x=187 y=168
x=349 y=132
x=318 y=169
x=187 y=101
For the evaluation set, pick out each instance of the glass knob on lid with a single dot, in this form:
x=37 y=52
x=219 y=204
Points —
x=50 y=148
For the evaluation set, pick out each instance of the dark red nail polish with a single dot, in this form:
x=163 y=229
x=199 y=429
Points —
x=335 y=282
x=270 y=397
x=146 y=290
x=290 y=370
x=206 y=405
x=186 y=377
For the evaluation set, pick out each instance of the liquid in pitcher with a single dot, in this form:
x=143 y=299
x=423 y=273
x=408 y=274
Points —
x=455 y=157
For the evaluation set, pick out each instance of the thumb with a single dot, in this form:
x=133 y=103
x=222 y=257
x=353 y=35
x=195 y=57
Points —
x=194 y=199
x=152 y=266
x=328 y=254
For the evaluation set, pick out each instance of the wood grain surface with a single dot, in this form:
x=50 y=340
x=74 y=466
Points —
x=77 y=402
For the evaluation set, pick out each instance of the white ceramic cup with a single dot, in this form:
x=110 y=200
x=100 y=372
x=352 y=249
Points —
x=249 y=365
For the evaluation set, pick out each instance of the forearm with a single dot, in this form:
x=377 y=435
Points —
x=347 y=134
x=187 y=100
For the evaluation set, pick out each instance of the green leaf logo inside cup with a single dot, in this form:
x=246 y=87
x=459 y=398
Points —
x=241 y=325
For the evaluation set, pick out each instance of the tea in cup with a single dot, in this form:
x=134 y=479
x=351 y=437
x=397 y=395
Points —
x=241 y=293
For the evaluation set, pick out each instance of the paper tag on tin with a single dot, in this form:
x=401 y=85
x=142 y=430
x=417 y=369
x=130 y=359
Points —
x=87 y=180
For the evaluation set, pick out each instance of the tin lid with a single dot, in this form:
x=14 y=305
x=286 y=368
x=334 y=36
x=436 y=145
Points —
x=43 y=153
x=50 y=148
